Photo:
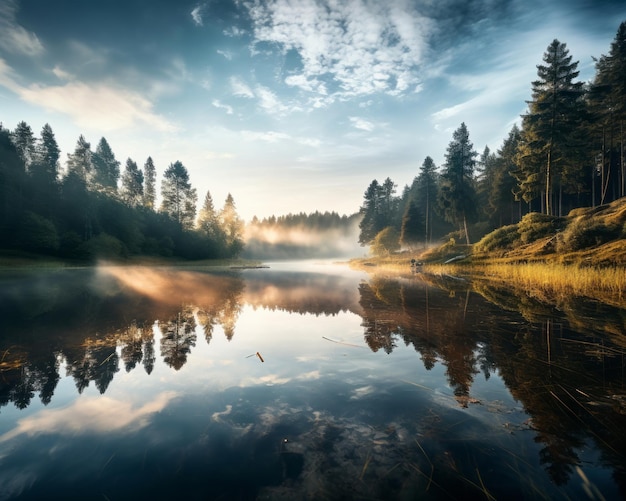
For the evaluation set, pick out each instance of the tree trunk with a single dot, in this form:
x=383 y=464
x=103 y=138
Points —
x=467 y=239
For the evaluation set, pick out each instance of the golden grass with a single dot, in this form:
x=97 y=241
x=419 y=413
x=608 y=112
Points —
x=553 y=279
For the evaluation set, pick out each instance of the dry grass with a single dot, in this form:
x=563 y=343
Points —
x=552 y=279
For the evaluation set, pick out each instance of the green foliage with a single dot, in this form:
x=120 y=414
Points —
x=535 y=225
x=103 y=246
x=38 y=234
x=379 y=210
x=585 y=232
x=413 y=227
x=386 y=242
x=504 y=238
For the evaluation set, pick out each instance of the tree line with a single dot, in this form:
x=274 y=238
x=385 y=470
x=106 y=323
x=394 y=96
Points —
x=568 y=152
x=94 y=209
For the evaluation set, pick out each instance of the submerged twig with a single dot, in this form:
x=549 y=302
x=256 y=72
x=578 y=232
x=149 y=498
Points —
x=340 y=342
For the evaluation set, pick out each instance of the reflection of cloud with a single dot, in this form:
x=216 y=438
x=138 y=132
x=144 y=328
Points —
x=309 y=376
x=362 y=392
x=217 y=416
x=269 y=380
x=95 y=415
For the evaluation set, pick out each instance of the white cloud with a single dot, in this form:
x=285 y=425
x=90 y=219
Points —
x=93 y=106
x=363 y=47
x=219 y=105
x=275 y=137
x=13 y=37
x=196 y=14
x=225 y=53
x=270 y=103
x=269 y=136
x=90 y=414
x=362 y=124
x=240 y=88
x=96 y=106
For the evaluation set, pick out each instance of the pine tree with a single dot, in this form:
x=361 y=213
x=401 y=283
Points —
x=149 y=189
x=231 y=226
x=608 y=107
x=208 y=220
x=548 y=127
x=45 y=167
x=106 y=168
x=79 y=163
x=412 y=230
x=458 y=196
x=178 y=197
x=502 y=197
x=370 y=220
x=132 y=184
x=44 y=173
x=425 y=194
x=24 y=141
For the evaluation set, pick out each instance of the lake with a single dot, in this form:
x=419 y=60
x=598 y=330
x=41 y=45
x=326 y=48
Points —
x=304 y=381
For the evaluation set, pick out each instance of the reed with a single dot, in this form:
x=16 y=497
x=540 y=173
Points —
x=551 y=278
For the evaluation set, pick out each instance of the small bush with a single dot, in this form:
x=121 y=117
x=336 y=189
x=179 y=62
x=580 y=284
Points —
x=503 y=238
x=584 y=232
x=534 y=226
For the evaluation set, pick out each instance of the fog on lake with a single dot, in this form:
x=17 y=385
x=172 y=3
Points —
x=304 y=381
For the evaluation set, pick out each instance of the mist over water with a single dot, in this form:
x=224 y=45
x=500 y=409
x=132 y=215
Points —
x=282 y=244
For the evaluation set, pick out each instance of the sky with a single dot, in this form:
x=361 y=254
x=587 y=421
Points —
x=289 y=105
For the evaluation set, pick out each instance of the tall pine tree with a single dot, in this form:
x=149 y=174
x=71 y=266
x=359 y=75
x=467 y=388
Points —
x=547 y=143
x=457 y=196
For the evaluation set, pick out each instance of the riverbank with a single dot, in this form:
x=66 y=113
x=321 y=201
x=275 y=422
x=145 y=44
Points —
x=15 y=261
x=582 y=254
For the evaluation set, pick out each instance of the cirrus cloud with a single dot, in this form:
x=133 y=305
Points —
x=359 y=47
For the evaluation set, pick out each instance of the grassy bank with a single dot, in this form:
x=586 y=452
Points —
x=583 y=254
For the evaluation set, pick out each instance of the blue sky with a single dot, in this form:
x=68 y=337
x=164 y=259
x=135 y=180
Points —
x=290 y=105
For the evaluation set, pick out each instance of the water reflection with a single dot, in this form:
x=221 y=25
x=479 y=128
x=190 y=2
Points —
x=342 y=423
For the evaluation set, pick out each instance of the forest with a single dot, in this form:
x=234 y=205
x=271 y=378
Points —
x=94 y=210
x=567 y=152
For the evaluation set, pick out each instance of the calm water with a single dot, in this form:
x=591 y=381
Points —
x=304 y=381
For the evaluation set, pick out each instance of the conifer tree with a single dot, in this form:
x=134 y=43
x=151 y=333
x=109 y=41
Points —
x=106 y=168
x=178 y=197
x=548 y=128
x=79 y=163
x=608 y=108
x=132 y=184
x=208 y=220
x=24 y=141
x=149 y=188
x=458 y=195
x=231 y=226
x=412 y=230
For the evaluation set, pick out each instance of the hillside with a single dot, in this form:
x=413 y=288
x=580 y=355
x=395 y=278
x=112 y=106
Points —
x=586 y=236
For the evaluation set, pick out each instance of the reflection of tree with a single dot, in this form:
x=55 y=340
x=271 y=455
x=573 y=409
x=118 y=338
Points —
x=137 y=342
x=569 y=380
x=98 y=364
x=177 y=339
x=149 y=356
x=224 y=311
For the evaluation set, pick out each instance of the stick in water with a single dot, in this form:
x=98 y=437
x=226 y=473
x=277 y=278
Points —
x=260 y=357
